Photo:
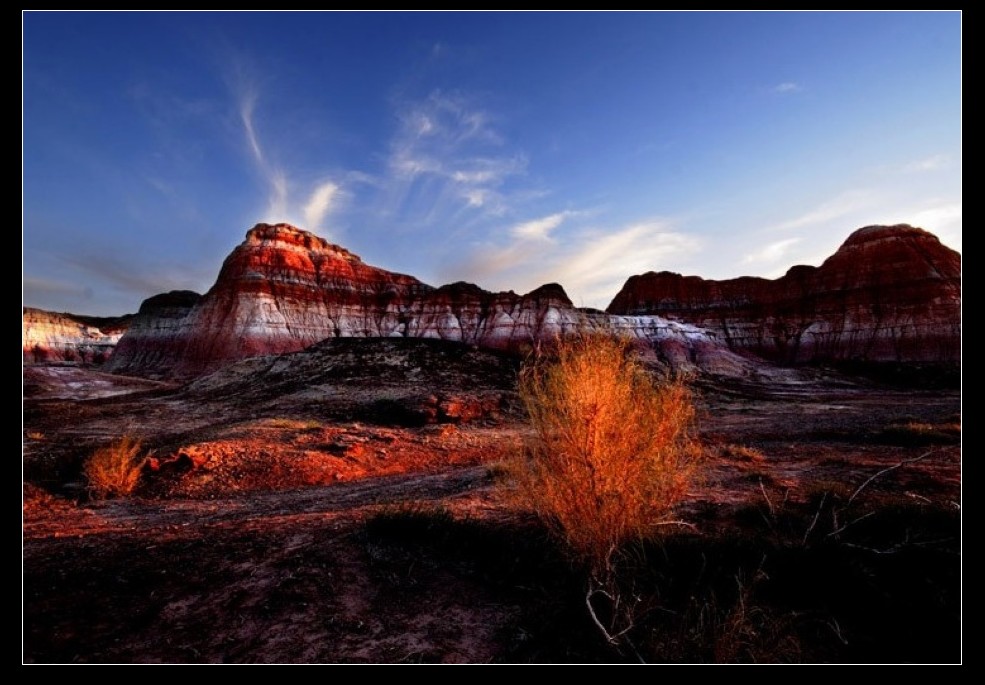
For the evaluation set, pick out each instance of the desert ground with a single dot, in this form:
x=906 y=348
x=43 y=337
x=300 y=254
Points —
x=349 y=503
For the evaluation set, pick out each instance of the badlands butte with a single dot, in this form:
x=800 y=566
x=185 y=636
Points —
x=890 y=294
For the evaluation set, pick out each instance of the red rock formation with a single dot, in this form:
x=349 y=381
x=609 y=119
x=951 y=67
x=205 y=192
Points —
x=284 y=289
x=49 y=337
x=890 y=293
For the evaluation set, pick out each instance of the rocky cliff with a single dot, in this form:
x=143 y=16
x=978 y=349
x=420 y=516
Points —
x=284 y=289
x=50 y=337
x=889 y=294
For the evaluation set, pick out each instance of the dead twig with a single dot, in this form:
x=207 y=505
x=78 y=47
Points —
x=817 y=514
x=887 y=470
x=850 y=523
x=769 y=502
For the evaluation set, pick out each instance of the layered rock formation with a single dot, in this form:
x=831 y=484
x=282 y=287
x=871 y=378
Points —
x=50 y=337
x=155 y=333
x=284 y=289
x=889 y=294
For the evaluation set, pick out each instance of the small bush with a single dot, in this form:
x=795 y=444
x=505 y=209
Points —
x=114 y=470
x=612 y=456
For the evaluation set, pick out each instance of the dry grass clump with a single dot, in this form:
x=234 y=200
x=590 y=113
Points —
x=114 y=470
x=742 y=453
x=612 y=453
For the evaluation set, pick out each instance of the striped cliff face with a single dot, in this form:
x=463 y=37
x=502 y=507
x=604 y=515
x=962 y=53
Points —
x=49 y=337
x=284 y=289
x=889 y=294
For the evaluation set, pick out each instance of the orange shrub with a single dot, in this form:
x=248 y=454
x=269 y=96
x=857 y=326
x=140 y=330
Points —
x=612 y=454
x=114 y=470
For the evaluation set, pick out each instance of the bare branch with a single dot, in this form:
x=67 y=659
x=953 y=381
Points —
x=769 y=502
x=850 y=523
x=887 y=470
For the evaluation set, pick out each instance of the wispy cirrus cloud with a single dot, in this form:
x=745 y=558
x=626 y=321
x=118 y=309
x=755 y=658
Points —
x=141 y=278
x=247 y=108
x=288 y=200
x=447 y=157
x=40 y=288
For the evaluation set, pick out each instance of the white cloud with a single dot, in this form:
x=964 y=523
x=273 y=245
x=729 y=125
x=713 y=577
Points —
x=942 y=219
x=772 y=253
x=320 y=204
x=280 y=205
x=788 y=87
x=475 y=197
x=598 y=263
x=931 y=163
x=538 y=229
x=247 y=106
x=446 y=159
x=277 y=209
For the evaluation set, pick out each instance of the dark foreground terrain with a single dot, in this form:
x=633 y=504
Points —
x=346 y=504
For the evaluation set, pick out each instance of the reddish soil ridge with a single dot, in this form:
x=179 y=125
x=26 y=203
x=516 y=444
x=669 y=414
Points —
x=889 y=294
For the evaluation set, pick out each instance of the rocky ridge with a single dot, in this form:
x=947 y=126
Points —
x=889 y=294
x=284 y=289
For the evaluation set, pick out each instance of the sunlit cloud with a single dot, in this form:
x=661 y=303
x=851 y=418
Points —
x=282 y=188
x=320 y=204
x=771 y=253
x=538 y=229
x=598 y=263
x=943 y=219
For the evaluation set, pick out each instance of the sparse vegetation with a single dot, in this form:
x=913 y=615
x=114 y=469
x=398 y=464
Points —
x=612 y=455
x=114 y=470
x=918 y=434
x=292 y=424
x=740 y=453
x=611 y=458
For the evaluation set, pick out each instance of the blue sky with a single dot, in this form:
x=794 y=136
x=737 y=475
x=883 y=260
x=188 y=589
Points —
x=504 y=149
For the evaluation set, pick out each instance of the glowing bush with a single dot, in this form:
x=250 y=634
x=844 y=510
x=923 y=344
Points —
x=612 y=454
x=114 y=470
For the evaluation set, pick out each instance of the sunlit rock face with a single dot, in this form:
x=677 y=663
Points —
x=284 y=289
x=49 y=337
x=890 y=293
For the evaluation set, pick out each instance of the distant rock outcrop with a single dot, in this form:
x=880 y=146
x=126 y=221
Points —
x=284 y=289
x=50 y=337
x=155 y=333
x=889 y=294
